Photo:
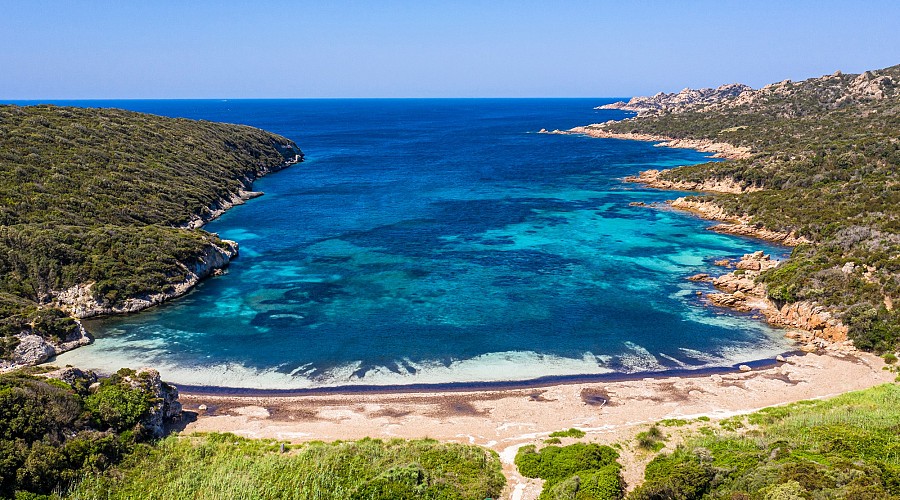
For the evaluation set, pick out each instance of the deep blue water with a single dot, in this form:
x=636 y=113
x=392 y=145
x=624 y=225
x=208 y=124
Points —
x=436 y=241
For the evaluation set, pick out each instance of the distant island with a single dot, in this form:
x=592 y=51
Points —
x=813 y=164
x=101 y=210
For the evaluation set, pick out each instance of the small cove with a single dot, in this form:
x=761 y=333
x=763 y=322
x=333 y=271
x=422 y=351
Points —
x=441 y=241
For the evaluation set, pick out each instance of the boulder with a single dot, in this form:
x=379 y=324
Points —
x=32 y=350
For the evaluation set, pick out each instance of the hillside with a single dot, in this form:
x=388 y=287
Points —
x=823 y=164
x=99 y=210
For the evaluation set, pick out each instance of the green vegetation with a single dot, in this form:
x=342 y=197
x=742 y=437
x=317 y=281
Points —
x=576 y=472
x=225 y=466
x=825 y=160
x=846 y=447
x=652 y=439
x=100 y=196
x=52 y=433
x=573 y=432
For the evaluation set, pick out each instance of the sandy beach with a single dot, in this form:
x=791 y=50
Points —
x=505 y=420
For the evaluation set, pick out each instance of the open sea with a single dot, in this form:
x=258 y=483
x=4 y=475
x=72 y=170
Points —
x=438 y=241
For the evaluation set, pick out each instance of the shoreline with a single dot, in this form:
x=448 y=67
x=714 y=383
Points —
x=720 y=149
x=481 y=386
x=504 y=420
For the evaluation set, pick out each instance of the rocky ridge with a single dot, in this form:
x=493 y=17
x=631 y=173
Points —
x=674 y=102
x=835 y=90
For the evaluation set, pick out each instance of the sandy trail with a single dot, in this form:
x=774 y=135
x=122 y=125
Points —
x=505 y=420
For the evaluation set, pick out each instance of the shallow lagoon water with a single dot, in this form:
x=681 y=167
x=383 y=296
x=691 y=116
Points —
x=439 y=241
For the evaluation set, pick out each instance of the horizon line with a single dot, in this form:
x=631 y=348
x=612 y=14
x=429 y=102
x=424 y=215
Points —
x=48 y=99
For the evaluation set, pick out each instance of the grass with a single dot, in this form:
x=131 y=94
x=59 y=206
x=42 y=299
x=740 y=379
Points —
x=652 y=439
x=217 y=466
x=846 y=447
x=573 y=433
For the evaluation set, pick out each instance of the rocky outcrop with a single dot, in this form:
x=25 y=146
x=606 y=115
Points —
x=80 y=302
x=812 y=318
x=72 y=376
x=741 y=290
x=720 y=149
x=34 y=349
x=166 y=407
x=680 y=101
x=652 y=178
x=739 y=226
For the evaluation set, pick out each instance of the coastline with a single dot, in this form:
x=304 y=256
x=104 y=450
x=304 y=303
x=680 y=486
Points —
x=720 y=149
x=506 y=419
x=79 y=303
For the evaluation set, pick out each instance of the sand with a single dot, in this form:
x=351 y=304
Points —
x=505 y=420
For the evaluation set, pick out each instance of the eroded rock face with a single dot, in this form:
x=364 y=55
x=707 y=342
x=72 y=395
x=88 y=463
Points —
x=741 y=291
x=166 y=407
x=80 y=302
x=32 y=350
x=813 y=318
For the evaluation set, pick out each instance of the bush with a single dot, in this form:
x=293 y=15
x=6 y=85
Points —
x=117 y=406
x=582 y=471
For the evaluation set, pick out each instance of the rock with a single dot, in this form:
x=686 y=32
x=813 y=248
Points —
x=166 y=406
x=780 y=358
x=72 y=375
x=79 y=300
x=745 y=368
x=674 y=102
x=723 y=263
x=202 y=407
x=699 y=277
x=32 y=350
x=808 y=348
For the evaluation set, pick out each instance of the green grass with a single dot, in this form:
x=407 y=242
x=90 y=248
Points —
x=846 y=447
x=218 y=466
x=573 y=433
x=652 y=439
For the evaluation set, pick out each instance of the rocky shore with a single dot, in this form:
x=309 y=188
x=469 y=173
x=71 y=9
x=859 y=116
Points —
x=80 y=302
x=720 y=149
x=810 y=324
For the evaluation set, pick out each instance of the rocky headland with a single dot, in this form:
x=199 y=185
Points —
x=674 y=102
x=104 y=217
x=811 y=164
x=812 y=325
x=719 y=149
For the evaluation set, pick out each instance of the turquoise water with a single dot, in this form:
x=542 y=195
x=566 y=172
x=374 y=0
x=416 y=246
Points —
x=435 y=241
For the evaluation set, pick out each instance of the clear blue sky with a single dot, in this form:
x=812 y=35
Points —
x=197 y=49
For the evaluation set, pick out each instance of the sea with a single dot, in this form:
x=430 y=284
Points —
x=439 y=242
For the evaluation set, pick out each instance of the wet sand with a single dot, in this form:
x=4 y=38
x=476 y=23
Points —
x=506 y=419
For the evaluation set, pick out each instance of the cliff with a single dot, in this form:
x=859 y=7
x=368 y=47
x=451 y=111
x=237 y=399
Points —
x=102 y=210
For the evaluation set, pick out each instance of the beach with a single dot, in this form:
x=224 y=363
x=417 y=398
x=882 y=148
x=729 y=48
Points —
x=504 y=420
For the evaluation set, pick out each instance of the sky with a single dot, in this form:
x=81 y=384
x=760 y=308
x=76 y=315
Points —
x=297 y=49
